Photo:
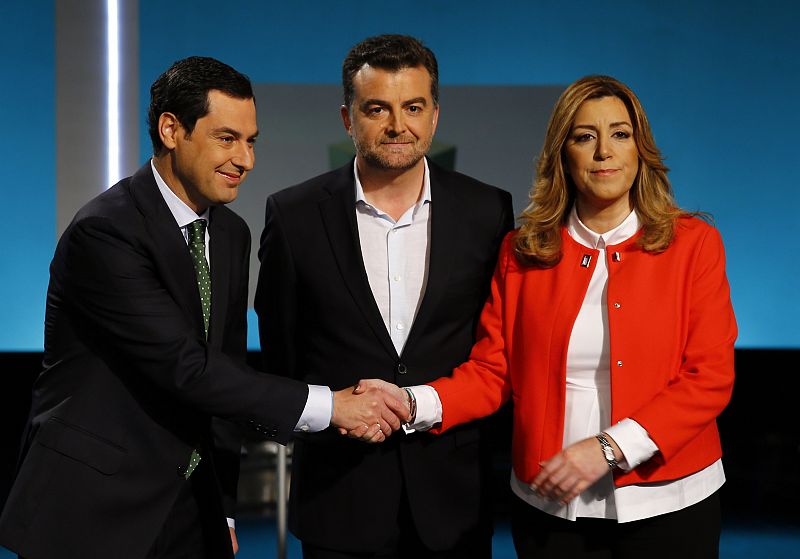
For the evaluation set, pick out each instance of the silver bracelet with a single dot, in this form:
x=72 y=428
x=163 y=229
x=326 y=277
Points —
x=412 y=406
x=608 y=451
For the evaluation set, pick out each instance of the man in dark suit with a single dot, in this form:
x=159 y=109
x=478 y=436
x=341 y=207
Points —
x=380 y=269
x=145 y=342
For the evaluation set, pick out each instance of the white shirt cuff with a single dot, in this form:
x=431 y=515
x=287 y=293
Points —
x=429 y=408
x=231 y=523
x=318 y=412
x=634 y=442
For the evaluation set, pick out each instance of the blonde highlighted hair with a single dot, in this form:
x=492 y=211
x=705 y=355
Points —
x=538 y=241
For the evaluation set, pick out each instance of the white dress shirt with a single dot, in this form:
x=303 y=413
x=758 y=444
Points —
x=395 y=255
x=588 y=408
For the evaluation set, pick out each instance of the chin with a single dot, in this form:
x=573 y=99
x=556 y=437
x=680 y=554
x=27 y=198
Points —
x=226 y=198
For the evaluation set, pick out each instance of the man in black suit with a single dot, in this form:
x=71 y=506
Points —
x=380 y=269
x=145 y=342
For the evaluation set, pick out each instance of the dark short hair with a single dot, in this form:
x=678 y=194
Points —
x=389 y=52
x=183 y=91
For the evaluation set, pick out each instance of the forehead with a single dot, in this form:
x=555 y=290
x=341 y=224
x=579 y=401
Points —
x=371 y=82
x=231 y=112
x=608 y=109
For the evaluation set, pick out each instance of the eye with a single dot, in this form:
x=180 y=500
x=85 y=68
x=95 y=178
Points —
x=227 y=139
x=582 y=138
x=621 y=134
x=375 y=110
x=414 y=109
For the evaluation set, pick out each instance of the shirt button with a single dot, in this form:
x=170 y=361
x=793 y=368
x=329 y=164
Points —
x=617 y=305
x=399 y=326
x=304 y=428
x=619 y=363
x=397 y=278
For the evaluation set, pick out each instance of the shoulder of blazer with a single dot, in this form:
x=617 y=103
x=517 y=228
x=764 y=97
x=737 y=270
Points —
x=125 y=203
x=467 y=186
x=690 y=226
x=318 y=188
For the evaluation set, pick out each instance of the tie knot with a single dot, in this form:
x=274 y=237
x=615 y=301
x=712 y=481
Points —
x=197 y=232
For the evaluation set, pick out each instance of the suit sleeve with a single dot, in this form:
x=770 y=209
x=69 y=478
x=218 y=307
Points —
x=276 y=296
x=117 y=295
x=704 y=383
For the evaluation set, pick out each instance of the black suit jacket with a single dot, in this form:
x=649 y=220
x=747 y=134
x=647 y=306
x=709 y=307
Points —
x=130 y=383
x=319 y=322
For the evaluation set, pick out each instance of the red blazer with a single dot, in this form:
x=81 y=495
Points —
x=672 y=331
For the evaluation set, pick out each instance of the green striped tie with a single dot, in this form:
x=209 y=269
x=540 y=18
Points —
x=197 y=250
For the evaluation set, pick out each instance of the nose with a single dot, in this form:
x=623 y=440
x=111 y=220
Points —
x=244 y=157
x=603 y=149
x=396 y=124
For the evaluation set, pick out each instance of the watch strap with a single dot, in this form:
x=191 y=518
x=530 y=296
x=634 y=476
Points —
x=608 y=451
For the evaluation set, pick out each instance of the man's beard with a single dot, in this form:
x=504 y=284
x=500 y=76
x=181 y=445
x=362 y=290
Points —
x=395 y=162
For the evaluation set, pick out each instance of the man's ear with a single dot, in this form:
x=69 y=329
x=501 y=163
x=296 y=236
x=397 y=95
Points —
x=348 y=125
x=435 y=117
x=168 y=129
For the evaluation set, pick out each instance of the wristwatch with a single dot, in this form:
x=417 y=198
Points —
x=608 y=451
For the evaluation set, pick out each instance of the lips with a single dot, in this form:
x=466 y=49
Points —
x=397 y=146
x=604 y=172
x=234 y=178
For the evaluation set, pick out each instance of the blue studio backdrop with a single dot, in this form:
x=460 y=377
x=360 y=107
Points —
x=719 y=81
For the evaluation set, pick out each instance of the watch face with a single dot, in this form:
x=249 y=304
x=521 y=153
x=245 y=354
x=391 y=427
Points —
x=609 y=452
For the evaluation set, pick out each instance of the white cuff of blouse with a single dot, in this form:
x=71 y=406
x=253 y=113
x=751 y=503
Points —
x=429 y=408
x=634 y=442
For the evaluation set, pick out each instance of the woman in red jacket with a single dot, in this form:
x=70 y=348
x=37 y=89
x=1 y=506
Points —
x=609 y=324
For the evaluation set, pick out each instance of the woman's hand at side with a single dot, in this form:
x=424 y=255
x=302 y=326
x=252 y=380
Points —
x=570 y=472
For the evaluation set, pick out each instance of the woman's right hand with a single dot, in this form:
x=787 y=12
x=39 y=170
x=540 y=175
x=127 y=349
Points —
x=570 y=472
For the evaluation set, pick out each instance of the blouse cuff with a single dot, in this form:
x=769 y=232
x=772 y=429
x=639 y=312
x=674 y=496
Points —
x=429 y=408
x=634 y=442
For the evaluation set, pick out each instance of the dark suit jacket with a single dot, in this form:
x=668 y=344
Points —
x=319 y=322
x=130 y=384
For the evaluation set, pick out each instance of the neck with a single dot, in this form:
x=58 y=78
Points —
x=394 y=192
x=602 y=219
x=165 y=166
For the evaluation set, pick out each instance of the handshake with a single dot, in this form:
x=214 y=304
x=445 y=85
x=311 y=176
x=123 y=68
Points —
x=372 y=410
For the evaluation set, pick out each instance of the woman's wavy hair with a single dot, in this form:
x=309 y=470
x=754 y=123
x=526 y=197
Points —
x=538 y=240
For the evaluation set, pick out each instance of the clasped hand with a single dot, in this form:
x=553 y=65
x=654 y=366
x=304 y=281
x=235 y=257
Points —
x=370 y=411
x=570 y=472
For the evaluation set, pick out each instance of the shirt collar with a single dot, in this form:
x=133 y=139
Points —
x=426 y=185
x=183 y=214
x=622 y=232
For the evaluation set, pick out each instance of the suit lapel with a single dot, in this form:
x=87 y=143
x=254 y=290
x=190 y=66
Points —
x=220 y=275
x=339 y=217
x=443 y=238
x=170 y=253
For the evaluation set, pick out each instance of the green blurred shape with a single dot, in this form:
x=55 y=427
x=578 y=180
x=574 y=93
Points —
x=444 y=155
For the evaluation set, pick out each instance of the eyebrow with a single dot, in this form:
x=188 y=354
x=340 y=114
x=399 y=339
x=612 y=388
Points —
x=612 y=125
x=381 y=102
x=232 y=132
